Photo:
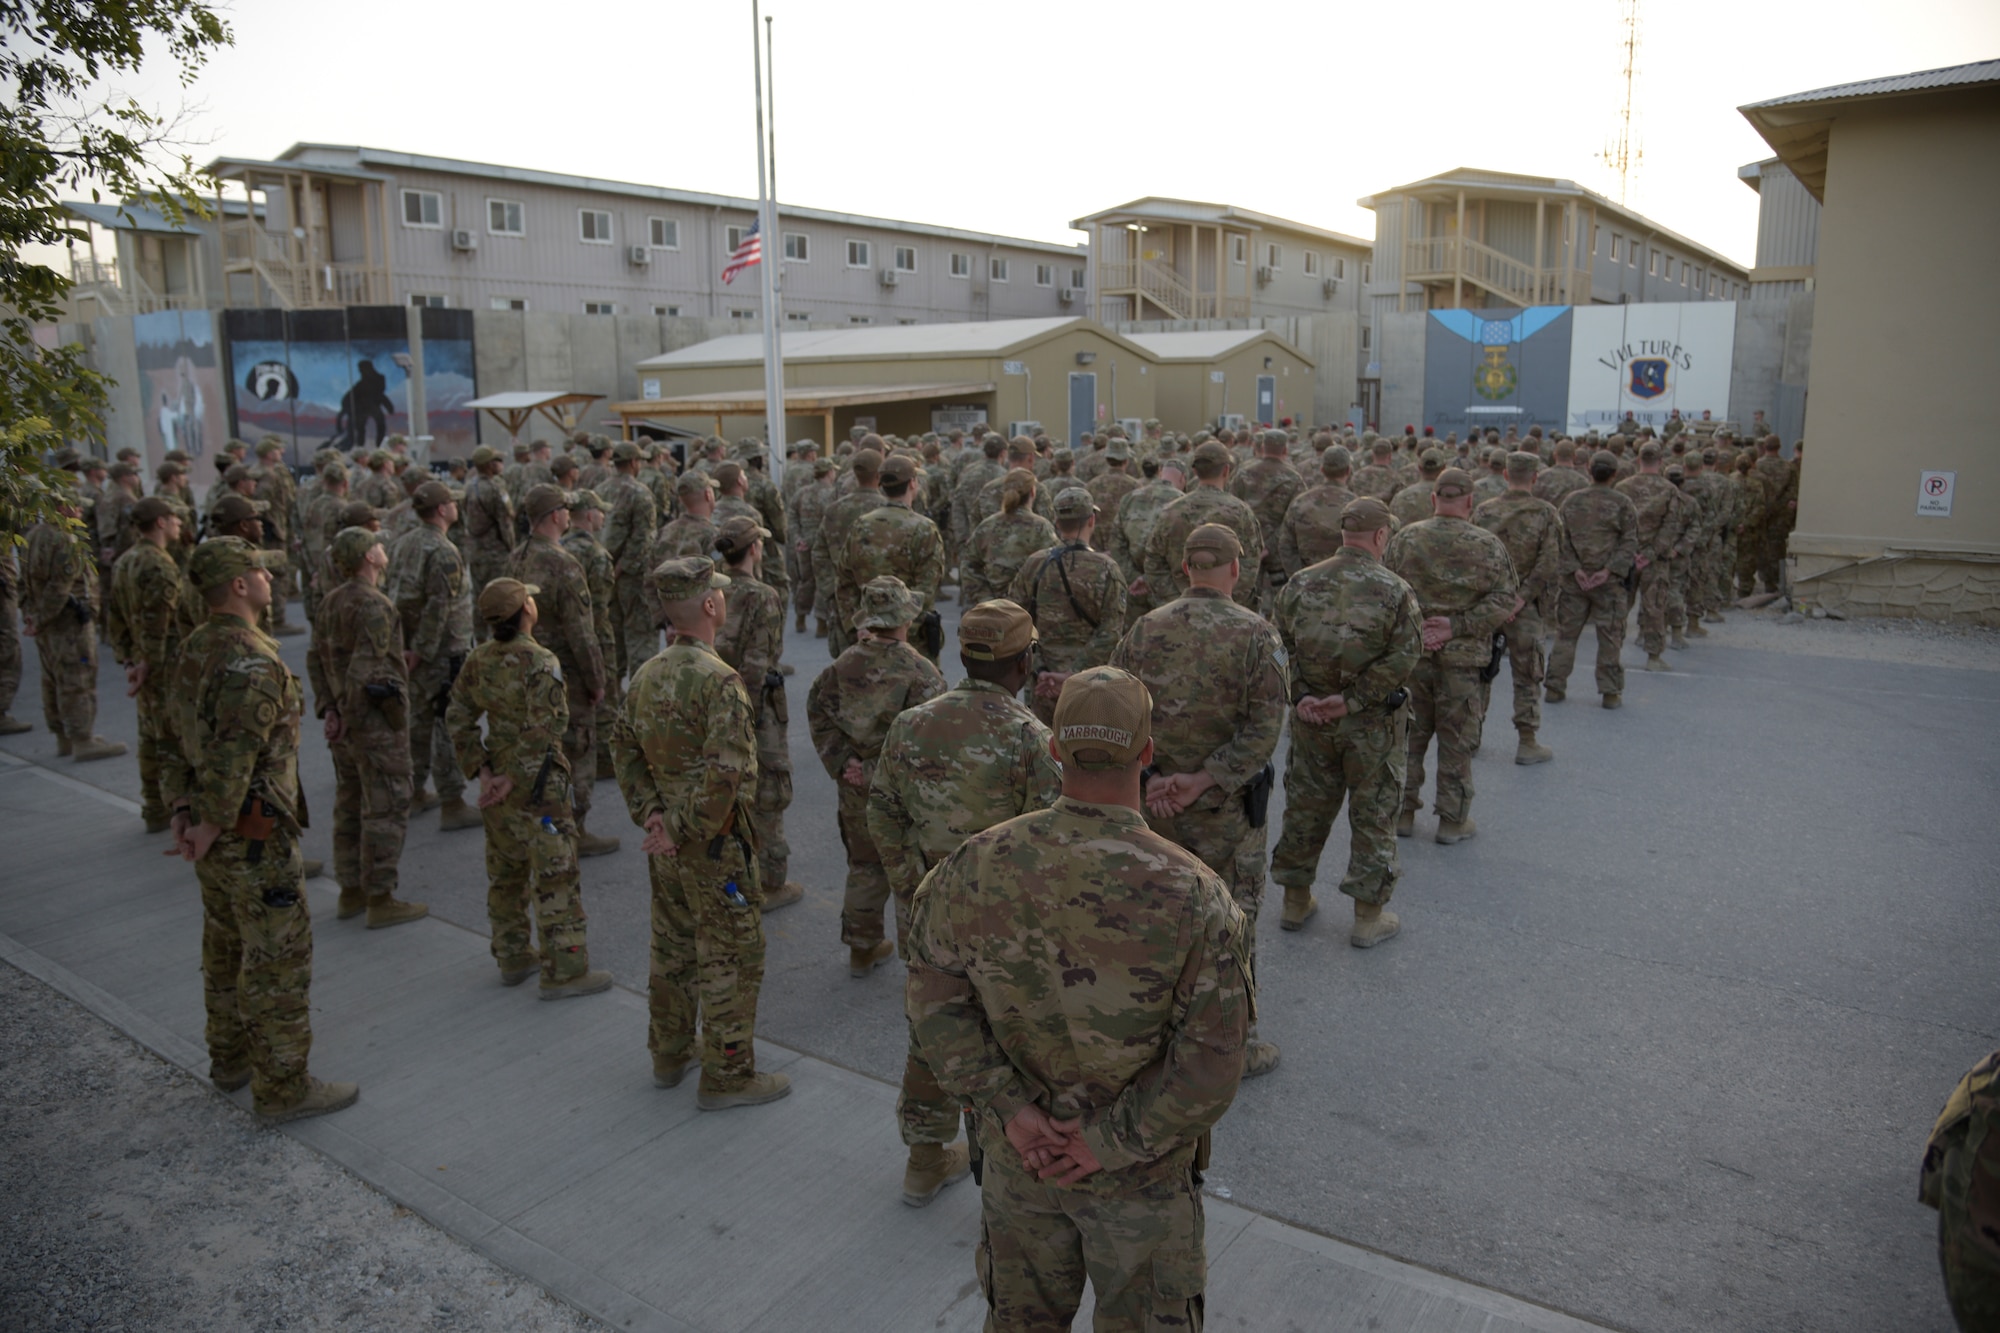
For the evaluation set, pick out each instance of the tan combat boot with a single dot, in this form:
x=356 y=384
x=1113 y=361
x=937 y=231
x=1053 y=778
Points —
x=520 y=972
x=801 y=624
x=13 y=726
x=62 y=745
x=1406 y=823
x=589 y=844
x=1530 y=751
x=1259 y=1056
x=353 y=902
x=1614 y=700
x=860 y=962
x=1655 y=662
x=1300 y=906
x=584 y=983
x=932 y=1166
x=423 y=799
x=1554 y=694
x=819 y=628
x=228 y=1078
x=96 y=747
x=1373 y=923
x=1695 y=631
x=1714 y=618
x=760 y=1089
x=1675 y=641
x=1455 y=830
x=668 y=1074
x=456 y=814
x=320 y=1099
x=784 y=895
x=386 y=911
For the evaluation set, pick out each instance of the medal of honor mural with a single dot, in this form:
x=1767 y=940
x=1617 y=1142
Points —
x=1496 y=367
x=1650 y=360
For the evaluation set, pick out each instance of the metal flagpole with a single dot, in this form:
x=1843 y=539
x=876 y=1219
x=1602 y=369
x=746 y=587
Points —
x=773 y=255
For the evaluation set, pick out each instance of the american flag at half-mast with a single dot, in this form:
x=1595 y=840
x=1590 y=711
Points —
x=749 y=250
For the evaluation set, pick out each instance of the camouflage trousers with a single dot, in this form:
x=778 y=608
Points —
x=256 y=963
x=773 y=797
x=281 y=585
x=1359 y=760
x=1679 y=572
x=579 y=742
x=1701 y=582
x=1749 y=550
x=526 y=860
x=867 y=878
x=10 y=647
x=1217 y=831
x=371 y=812
x=68 y=650
x=1655 y=593
x=708 y=961
x=1725 y=570
x=1771 y=556
x=1144 y=1249
x=1971 y=1270
x=925 y=1112
x=484 y=565
x=152 y=807
x=805 y=580
x=1445 y=703
x=1602 y=607
x=638 y=626
x=431 y=750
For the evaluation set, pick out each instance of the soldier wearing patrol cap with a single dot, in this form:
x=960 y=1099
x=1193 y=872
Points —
x=149 y=615
x=60 y=604
x=1311 y=529
x=517 y=686
x=805 y=511
x=1093 y=1140
x=831 y=543
x=892 y=539
x=587 y=515
x=1076 y=597
x=693 y=531
x=753 y=642
x=1216 y=673
x=686 y=751
x=1532 y=532
x=1208 y=503
x=427 y=581
x=489 y=524
x=628 y=536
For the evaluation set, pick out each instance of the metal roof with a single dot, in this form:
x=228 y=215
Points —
x=229 y=168
x=138 y=215
x=804 y=399
x=1924 y=80
x=1195 y=210
x=969 y=338
x=1207 y=344
x=516 y=399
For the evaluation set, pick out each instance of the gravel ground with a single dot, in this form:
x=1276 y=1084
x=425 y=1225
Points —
x=1874 y=639
x=138 y=1199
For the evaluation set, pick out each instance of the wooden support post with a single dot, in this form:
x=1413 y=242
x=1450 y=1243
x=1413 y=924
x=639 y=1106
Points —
x=1538 y=251
x=828 y=414
x=1458 y=258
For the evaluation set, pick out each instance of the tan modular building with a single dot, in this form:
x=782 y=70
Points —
x=1064 y=375
x=1227 y=376
x=1899 y=503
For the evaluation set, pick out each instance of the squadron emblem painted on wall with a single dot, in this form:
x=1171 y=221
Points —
x=1649 y=377
x=1495 y=378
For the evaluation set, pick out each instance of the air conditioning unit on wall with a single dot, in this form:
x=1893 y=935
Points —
x=1067 y=296
x=1263 y=275
x=639 y=254
x=890 y=277
x=464 y=238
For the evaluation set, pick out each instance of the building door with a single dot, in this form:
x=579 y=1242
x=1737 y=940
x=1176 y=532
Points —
x=1082 y=404
x=1267 y=400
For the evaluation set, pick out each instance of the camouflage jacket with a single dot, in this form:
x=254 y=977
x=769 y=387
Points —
x=1555 y=483
x=518 y=688
x=1349 y=626
x=831 y=539
x=151 y=612
x=751 y=641
x=428 y=583
x=685 y=747
x=1380 y=482
x=1413 y=503
x=1600 y=531
x=358 y=642
x=1663 y=516
x=378 y=489
x=280 y=494
x=1268 y=486
x=1310 y=531
x=110 y=518
x=319 y=525
x=1132 y=522
x=952 y=767
x=1461 y=572
x=1076 y=597
x=1109 y=489
x=889 y=539
x=233 y=728
x=1093 y=464
x=1706 y=494
x=1753 y=501
x=969 y=483
x=629 y=530
x=489 y=517
x=1217 y=675
x=568 y=619
x=986 y=500
x=1961 y=1171
x=1074 y=960
x=1490 y=486
x=770 y=506
x=853 y=701
x=596 y=562
x=1161 y=563
x=997 y=549
x=1532 y=533
x=57 y=569
x=683 y=536
x=808 y=507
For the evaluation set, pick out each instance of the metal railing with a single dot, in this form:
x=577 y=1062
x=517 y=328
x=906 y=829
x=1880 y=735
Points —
x=1168 y=290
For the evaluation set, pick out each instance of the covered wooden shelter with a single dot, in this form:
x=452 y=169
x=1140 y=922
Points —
x=514 y=408
x=799 y=402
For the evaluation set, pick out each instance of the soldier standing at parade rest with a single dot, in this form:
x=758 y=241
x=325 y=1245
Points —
x=1350 y=629
x=150 y=614
x=686 y=752
x=807 y=508
x=752 y=641
x=1215 y=673
x=1162 y=578
x=849 y=709
x=1097 y=1047
x=1464 y=581
x=628 y=536
x=832 y=541
x=361 y=685
x=517 y=686
x=10 y=641
x=1311 y=529
x=891 y=539
x=489 y=524
x=951 y=767
x=433 y=597
x=1532 y=533
x=1600 y=545
x=60 y=585
x=1076 y=596
x=1662 y=539
x=230 y=777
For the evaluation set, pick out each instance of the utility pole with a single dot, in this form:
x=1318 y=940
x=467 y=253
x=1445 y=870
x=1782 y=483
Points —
x=1624 y=154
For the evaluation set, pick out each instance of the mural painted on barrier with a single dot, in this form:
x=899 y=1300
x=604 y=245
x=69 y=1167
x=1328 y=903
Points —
x=341 y=378
x=1576 y=367
x=181 y=387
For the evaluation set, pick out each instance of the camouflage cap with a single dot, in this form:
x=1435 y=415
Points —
x=351 y=547
x=1103 y=719
x=331 y=472
x=1336 y=460
x=1431 y=463
x=119 y=470
x=1074 y=504
x=1210 y=545
x=823 y=466
x=1675 y=472
x=585 y=501
x=381 y=456
x=501 y=598
x=995 y=631
x=180 y=456
x=1453 y=482
x=726 y=475
x=171 y=469
x=1523 y=464
x=1118 y=451
x=690 y=482
x=624 y=452
x=542 y=500
x=427 y=498
x=220 y=559
x=237 y=472
x=736 y=535
x=867 y=464
x=234 y=508
x=898 y=470
x=1604 y=460
x=686 y=576
x=1211 y=457
x=1365 y=514
x=886 y=603
x=150 y=511
x=357 y=514
x=270 y=446
x=1649 y=452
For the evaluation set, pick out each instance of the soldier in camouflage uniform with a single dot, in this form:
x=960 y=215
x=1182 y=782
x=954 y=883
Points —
x=1465 y=585
x=361 y=690
x=1491 y=483
x=1680 y=568
x=1076 y=597
x=849 y=709
x=1413 y=502
x=1378 y=477
x=1556 y=481
x=1209 y=502
x=1310 y=530
x=586 y=521
x=1349 y=627
x=489 y=525
x=691 y=532
x=1217 y=678
x=569 y=628
x=1093 y=1134
x=1753 y=502
x=1600 y=543
x=980 y=467
x=687 y=764
x=1132 y=522
x=807 y=509
x=279 y=493
x=1532 y=532
x=427 y=582
x=1021 y=457
x=1269 y=485
x=952 y=767
x=628 y=537
x=10 y=641
x=752 y=641
x=1961 y=1179
x=1780 y=510
x=149 y=615
x=1110 y=484
x=1663 y=538
x=893 y=540
x=59 y=611
x=1002 y=543
x=518 y=687
x=230 y=776
x=1718 y=503
x=831 y=542
x=317 y=526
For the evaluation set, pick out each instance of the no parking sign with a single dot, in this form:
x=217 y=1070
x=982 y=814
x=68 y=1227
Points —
x=1934 y=494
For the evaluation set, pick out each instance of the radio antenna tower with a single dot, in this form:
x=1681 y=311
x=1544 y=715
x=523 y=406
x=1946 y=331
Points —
x=1624 y=154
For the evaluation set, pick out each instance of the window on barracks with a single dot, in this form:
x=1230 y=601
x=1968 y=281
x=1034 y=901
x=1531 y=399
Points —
x=858 y=254
x=423 y=208
x=1045 y=275
x=860 y=319
x=1615 y=244
x=996 y=269
x=1274 y=257
x=961 y=264
x=507 y=303
x=1312 y=263
x=666 y=233
x=797 y=248
x=732 y=237
x=599 y=308
x=1367 y=273
x=1367 y=337
x=797 y=317
x=431 y=300
x=1239 y=249
x=1076 y=278
x=667 y=311
x=594 y=225
x=1339 y=267
x=906 y=259
x=503 y=218
x=743 y=314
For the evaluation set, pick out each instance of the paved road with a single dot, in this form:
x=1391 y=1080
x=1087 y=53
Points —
x=1659 y=1048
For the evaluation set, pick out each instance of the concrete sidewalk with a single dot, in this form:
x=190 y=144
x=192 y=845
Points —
x=533 y=1131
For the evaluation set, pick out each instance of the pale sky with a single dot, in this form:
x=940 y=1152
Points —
x=1017 y=118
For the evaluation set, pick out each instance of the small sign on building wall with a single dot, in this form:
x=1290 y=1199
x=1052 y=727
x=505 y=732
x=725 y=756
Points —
x=649 y=390
x=1934 y=494
x=1013 y=367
